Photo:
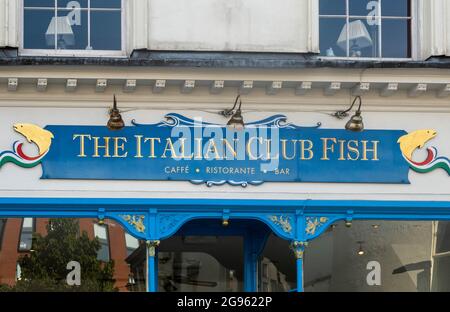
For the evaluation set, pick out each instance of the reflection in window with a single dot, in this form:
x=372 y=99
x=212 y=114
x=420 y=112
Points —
x=56 y=243
x=441 y=257
x=277 y=267
x=365 y=28
x=371 y=256
x=101 y=233
x=131 y=243
x=26 y=234
x=201 y=263
x=18 y=272
x=73 y=25
x=2 y=229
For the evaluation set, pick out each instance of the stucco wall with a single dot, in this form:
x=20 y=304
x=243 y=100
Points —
x=236 y=25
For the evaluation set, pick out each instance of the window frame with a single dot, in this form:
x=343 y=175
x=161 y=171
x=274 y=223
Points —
x=413 y=33
x=72 y=53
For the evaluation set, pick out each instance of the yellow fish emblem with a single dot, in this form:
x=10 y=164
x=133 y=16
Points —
x=416 y=139
x=41 y=137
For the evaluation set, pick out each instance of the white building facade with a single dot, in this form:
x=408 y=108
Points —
x=63 y=61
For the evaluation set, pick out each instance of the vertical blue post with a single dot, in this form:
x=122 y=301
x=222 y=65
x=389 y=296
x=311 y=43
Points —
x=152 y=269
x=250 y=264
x=300 y=275
x=151 y=252
x=298 y=248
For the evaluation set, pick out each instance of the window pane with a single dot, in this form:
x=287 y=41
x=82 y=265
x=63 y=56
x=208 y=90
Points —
x=26 y=234
x=443 y=237
x=36 y=23
x=276 y=267
x=72 y=29
x=106 y=30
x=39 y=3
x=28 y=223
x=106 y=4
x=395 y=8
x=332 y=7
x=56 y=246
x=330 y=30
x=72 y=4
x=441 y=273
x=100 y=231
x=132 y=243
x=199 y=265
x=364 y=7
x=363 y=37
x=371 y=256
x=395 y=36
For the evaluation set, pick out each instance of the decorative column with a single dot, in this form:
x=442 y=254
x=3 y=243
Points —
x=299 y=248
x=152 y=265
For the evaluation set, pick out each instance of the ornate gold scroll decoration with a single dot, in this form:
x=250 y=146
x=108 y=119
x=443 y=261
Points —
x=136 y=221
x=313 y=223
x=284 y=223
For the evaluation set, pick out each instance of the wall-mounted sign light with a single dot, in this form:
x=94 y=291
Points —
x=115 y=121
x=356 y=122
x=236 y=121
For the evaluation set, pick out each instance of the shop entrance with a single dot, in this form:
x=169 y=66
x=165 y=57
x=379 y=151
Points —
x=211 y=255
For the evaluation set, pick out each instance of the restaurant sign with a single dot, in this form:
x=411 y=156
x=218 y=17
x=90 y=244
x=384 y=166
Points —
x=183 y=149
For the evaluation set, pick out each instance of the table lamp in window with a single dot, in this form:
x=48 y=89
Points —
x=358 y=36
x=60 y=26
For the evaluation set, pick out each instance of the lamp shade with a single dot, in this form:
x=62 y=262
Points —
x=60 y=25
x=358 y=35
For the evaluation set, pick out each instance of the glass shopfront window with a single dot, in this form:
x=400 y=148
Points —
x=376 y=256
x=365 y=28
x=277 y=270
x=407 y=256
x=66 y=255
x=201 y=263
x=81 y=25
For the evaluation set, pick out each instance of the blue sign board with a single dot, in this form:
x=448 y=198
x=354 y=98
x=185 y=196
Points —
x=189 y=150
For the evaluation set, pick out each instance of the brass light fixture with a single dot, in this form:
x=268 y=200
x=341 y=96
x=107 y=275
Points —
x=115 y=121
x=356 y=122
x=236 y=121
